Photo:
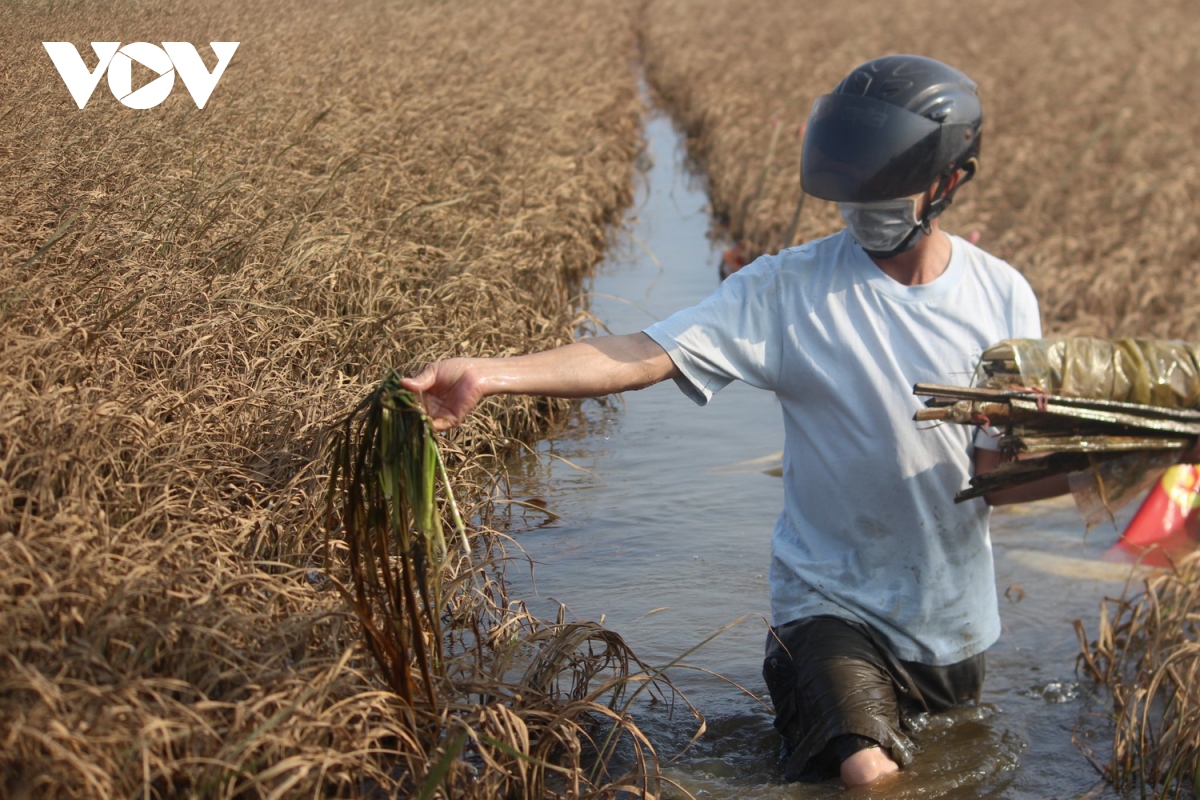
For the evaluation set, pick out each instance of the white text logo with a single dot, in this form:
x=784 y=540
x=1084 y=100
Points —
x=172 y=57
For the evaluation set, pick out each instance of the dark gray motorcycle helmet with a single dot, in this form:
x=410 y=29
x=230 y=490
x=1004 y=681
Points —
x=890 y=129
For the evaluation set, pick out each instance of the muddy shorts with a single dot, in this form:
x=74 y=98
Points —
x=838 y=689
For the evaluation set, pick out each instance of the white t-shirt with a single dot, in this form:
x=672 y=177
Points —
x=869 y=528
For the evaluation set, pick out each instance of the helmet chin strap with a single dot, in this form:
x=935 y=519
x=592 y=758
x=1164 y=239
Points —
x=943 y=202
x=932 y=212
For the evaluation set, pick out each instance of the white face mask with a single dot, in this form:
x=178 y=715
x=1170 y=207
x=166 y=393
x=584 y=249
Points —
x=881 y=227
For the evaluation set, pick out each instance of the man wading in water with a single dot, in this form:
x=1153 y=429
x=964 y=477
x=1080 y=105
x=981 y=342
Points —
x=882 y=593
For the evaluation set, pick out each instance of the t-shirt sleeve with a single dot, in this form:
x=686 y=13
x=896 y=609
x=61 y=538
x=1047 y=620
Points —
x=734 y=334
x=1024 y=322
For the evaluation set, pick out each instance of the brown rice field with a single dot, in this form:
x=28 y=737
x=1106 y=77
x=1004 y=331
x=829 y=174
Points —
x=1089 y=170
x=190 y=299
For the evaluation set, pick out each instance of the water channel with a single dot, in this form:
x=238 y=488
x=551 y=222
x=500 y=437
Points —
x=661 y=538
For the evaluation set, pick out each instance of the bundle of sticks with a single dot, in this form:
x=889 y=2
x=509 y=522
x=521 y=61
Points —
x=1046 y=433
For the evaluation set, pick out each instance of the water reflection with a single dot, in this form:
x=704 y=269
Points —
x=663 y=530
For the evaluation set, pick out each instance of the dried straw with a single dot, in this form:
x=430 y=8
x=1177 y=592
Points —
x=191 y=298
x=1147 y=653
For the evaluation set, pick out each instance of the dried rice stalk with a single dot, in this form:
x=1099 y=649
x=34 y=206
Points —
x=190 y=299
x=385 y=468
x=1147 y=652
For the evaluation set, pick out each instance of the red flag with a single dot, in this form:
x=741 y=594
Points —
x=1167 y=526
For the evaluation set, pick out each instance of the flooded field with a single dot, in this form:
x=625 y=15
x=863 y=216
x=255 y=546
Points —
x=663 y=532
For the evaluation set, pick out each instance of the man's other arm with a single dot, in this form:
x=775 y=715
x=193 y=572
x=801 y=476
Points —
x=1053 y=486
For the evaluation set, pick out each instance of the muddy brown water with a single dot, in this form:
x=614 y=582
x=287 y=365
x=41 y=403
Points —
x=660 y=535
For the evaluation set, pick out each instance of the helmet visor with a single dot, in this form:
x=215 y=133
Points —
x=861 y=150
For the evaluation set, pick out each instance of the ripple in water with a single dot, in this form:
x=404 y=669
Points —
x=963 y=753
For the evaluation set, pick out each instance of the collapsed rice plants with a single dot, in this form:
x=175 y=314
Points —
x=191 y=299
x=1147 y=652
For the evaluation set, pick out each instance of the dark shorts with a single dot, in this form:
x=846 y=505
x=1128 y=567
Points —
x=838 y=688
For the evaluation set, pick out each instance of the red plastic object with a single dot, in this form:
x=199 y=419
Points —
x=732 y=260
x=1167 y=526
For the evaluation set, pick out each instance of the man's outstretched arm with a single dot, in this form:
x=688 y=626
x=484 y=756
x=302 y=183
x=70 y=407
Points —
x=596 y=367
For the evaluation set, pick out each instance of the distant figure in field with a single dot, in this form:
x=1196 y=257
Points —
x=883 y=592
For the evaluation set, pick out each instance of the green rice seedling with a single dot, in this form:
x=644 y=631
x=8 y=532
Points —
x=383 y=480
